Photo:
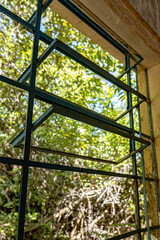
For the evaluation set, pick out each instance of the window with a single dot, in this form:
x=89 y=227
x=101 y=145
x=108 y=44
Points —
x=76 y=105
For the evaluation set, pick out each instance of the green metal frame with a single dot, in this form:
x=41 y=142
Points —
x=66 y=108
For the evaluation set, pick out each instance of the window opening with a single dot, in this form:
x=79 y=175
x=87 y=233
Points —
x=55 y=105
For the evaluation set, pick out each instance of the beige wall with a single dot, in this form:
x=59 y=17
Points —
x=150 y=11
x=154 y=90
x=155 y=102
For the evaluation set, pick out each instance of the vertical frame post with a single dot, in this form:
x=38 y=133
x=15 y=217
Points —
x=143 y=166
x=132 y=148
x=26 y=154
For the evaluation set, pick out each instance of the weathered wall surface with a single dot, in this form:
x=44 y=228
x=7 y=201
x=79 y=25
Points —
x=150 y=11
x=154 y=88
x=150 y=186
x=154 y=91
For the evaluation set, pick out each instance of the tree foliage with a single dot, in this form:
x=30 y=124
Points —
x=62 y=205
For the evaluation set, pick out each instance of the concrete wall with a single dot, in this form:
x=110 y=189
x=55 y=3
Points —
x=148 y=160
x=150 y=12
x=154 y=89
x=154 y=95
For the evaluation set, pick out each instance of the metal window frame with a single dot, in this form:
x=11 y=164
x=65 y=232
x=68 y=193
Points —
x=74 y=111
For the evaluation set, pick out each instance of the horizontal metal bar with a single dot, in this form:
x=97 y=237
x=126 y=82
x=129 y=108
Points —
x=74 y=111
x=58 y=45
x=152 y=228
x=46 y=150
x=148 y=179
x=14 y=83
x=13 y=161
x=131 y=233
x=71 y=53
x=80 y=170
x=68 y=51
x=67 y=154
x=83 y=110
x=131 y=154
x=33 y=17
x=19 y=139
x=93 y=116
x=6 y=160
x=130 y=68
x=143 y=135
x=26 y=74
x=63 y=104
x=91 y=121
x=129 y=110
x=17 y=19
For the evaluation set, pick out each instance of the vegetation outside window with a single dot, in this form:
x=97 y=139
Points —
x=85 y=168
